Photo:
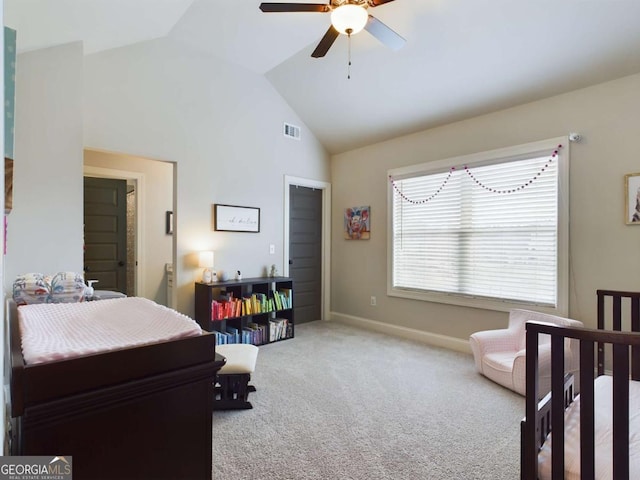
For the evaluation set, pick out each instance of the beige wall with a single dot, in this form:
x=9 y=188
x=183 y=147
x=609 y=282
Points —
x=156 y=198
x=604 y=251
x=45 y=227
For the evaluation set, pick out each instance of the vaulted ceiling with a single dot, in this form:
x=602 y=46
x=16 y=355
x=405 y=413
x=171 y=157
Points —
x=461 y=58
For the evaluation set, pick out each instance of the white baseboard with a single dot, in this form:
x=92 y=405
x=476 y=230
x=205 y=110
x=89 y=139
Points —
x=428 y=338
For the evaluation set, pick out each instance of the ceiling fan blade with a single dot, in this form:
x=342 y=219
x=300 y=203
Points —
x=326 y=42
x=383 y=33
x=376 y=3
x=294 y=7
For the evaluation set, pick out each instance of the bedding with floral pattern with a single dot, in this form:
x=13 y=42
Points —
x=63 y=287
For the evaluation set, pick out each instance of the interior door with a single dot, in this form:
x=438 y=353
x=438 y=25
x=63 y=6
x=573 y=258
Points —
x=305 y=252
x=105 y=233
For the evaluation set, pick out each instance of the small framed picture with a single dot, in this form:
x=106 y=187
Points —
x=232 y=218
x=357 y=224
x=632 y=198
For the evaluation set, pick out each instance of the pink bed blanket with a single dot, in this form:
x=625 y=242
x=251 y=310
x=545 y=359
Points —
x=61 y=331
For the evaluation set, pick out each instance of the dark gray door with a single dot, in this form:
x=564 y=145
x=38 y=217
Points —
x=305 y=252
x=105 y=233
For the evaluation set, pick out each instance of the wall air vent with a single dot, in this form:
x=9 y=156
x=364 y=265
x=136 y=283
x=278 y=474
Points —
x=291 y=131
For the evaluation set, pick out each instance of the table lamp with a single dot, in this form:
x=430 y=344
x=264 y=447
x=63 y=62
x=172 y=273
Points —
x=205 y=260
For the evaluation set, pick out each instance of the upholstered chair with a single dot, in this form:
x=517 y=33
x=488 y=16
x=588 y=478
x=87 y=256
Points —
x=500 y=355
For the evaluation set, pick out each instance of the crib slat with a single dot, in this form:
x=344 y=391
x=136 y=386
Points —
x=587 y=428
x=620 y=411
x=616 y=297
x=557 y=407
x=635 y=327
x=529 y=454
x=617 y=313
x=601 y=297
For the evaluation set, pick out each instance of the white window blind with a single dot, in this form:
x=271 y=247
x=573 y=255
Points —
x=454 y=234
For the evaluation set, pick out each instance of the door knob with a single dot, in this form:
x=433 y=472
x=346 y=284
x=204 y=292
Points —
x=121 y=263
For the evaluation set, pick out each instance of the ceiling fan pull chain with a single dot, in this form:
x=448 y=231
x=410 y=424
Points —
x=349 y=50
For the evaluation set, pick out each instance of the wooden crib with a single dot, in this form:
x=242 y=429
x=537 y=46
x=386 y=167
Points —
x=580 y=426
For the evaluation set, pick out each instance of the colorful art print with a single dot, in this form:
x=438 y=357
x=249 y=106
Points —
x=357 y=223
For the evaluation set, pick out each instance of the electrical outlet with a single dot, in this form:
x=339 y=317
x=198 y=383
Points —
x=373 y=301
x=272 y=249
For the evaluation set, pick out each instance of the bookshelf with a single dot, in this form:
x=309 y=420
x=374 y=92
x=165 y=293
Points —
x=253 y=310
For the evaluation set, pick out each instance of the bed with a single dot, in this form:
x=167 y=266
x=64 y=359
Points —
x=121 y=410
x=596 y=434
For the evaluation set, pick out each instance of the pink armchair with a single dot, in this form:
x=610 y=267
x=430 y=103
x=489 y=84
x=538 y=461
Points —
x=500 y=354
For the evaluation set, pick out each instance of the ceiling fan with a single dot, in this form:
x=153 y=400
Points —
x=347 y=17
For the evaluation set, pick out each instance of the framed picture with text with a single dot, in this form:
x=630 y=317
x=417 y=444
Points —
x=233 y=218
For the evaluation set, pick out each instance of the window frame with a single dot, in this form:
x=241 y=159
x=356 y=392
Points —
x=518 y=152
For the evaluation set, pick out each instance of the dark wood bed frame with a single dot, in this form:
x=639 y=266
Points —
x=133 y=413
x=548 y=414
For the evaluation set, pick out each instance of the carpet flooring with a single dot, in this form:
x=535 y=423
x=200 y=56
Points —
x=337 y=402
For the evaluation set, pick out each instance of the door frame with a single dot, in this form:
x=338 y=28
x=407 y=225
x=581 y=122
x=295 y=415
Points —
x=138 y=178
x=325 y=290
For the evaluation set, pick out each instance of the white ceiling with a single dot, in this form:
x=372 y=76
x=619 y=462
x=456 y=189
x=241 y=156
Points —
x=462 y=57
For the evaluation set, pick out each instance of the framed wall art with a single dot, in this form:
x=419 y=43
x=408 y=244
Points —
x=8 y=185
x=357 y=223
x=632 y=198
x=233 y=218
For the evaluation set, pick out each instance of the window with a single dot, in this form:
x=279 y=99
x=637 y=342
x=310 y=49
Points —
x=486 y=230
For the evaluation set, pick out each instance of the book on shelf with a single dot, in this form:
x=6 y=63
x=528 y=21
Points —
x=258 y=330
x=288 y=296
x=245 y=335
x=260 y=300
x=234 y=335
x=223 y=338
x=225 y=308
x=278 y=329
x=276 y=300
x=254 y=336
x=253 y=333
x=246 y=306
x=282 y=299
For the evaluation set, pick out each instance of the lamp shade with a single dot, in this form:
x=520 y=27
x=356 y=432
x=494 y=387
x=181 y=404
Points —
x=349 y=16
x=205 y=260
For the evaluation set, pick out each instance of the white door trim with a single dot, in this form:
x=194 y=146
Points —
x=90 y=171
x=326 y=235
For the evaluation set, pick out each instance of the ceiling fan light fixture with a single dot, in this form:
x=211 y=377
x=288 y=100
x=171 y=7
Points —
x=349 y=17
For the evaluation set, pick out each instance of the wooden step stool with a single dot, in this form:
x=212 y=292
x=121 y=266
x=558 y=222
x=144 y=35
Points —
x=231 y=390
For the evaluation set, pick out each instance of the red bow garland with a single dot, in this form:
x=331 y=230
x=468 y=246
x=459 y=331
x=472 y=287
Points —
x=478 y=182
